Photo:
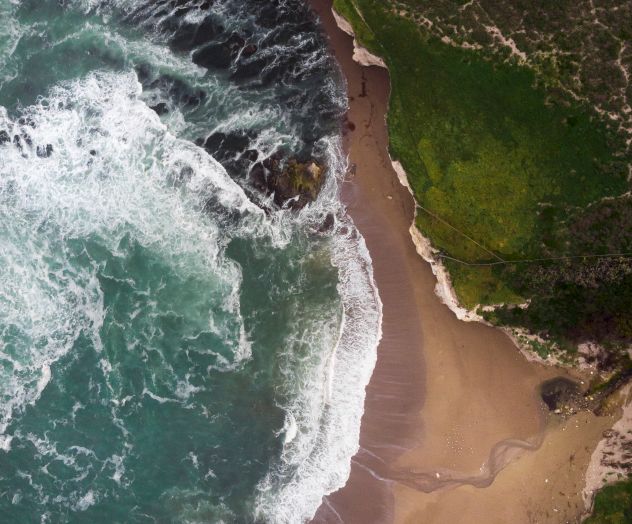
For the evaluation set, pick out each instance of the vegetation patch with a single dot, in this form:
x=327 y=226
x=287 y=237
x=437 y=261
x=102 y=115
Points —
x=613 y=505
x=505 y=174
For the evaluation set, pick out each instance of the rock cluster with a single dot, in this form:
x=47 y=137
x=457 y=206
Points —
x=23 y=141
x=292 y=183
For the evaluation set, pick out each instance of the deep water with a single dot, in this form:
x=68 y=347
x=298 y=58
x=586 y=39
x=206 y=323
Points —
x=173 y=346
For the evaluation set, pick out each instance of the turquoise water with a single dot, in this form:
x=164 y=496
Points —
x=173 y=347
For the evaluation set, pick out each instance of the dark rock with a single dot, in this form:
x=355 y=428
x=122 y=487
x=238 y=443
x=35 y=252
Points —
x=298 y=184
x=258 y=177
x=93 y=152
x=4 y=137
x=17 y=142
x=249 y=50
x=205 y=6
x=183 y=35
x=219 y=56
x=225 y=146
x=160 y=108
x=248 y=69
x=45 y=151
x=273 y=162
x=212 y=56
x=293 y=184
x=328 y=224
x=175 y=89
x=206 y=31
x=560 y=392
x=27 y=138
x=188 y=35
x=250 y=154
x=181 y=11
x=26 y=121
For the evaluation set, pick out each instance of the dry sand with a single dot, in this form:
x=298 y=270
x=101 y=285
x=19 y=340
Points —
x=450 y=403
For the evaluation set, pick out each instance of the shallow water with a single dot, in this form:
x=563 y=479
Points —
x=169 y=351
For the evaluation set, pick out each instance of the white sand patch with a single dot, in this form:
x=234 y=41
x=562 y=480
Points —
x=611 y=461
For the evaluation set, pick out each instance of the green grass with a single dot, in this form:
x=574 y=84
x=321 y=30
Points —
x=480 y=285
x=497 y=167
x=481 y=147
x=613 y=505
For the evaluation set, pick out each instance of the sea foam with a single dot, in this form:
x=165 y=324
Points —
x=113 y=170
x=323 y=415
x=116 y=172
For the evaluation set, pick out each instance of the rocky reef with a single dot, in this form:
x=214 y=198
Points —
x=292 y=183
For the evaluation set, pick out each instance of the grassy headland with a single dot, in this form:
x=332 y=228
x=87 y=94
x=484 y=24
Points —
x=504 y=174
x=613 y=505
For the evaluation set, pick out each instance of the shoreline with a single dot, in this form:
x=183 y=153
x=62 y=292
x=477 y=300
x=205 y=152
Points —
x=443 y=288
x=450 y=404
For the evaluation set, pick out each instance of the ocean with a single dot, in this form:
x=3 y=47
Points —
x=175 y=345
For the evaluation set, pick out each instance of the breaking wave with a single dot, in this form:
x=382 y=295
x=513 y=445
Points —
x=158 y=330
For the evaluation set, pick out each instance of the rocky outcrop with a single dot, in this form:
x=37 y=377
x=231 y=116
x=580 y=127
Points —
x=44 y=151
x=160 y=108
x=221 y=55
x=226 y=146
x=292 y=183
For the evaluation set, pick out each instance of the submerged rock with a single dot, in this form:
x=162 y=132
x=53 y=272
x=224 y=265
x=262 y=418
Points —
x=225 y=146
x=179 y=92
x=251 y=155
x=219 y=56
x=190 y=35
x=328 y=224
x=44 y=151
x=26 y=121
x=27 y=138
x=258 y=177
x=249 y=50
x=4 y=137
x=160 y=108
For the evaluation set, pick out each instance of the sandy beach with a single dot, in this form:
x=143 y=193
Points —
x=454 y=429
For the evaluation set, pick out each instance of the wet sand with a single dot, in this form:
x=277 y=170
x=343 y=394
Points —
x=450 y=403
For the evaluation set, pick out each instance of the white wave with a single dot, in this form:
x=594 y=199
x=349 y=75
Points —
x=157 y=398
x=112 y=170
x=143 y=180
x=85 y=501
x=290 y=428
x=10 y=35
x=323 y=417
x=43 y=381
